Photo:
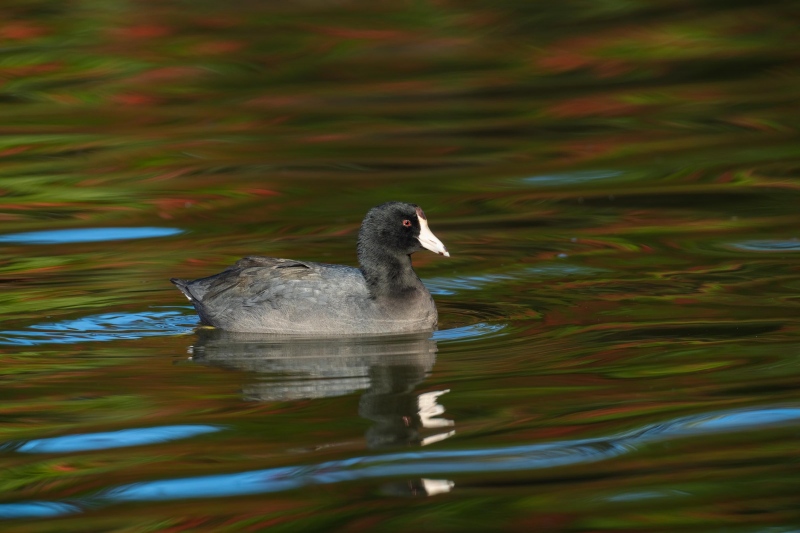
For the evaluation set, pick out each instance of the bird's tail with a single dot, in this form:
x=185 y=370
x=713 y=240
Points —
x=183 y=285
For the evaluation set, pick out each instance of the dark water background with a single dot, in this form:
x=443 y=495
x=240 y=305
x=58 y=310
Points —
x=618 y=183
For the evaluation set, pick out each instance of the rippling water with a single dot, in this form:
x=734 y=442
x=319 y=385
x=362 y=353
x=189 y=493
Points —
x=618 y=185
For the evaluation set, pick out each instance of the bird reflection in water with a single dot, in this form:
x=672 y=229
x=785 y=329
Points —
x=388 y=368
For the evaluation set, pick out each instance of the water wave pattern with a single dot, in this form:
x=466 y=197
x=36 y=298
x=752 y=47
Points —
x=467 y=333
x=451 y=286
x=562 y=179
x=451 y=462
x=78 y=235
x=775 y=245
x=171 y=321
x=108 y=439
x=103 y=327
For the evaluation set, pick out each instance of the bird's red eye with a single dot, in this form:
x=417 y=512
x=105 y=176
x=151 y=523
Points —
x=407 y=223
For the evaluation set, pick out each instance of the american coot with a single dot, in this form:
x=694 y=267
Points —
x=269 y=295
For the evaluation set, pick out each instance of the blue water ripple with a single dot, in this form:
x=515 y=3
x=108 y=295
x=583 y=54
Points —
x=561 y=269
x=103 y=327
x=110 y=439
x=10 y=511
x=62 y=236
x=571 y=178
x=775 y=245
x=175 y=321
x=470 y=332
x=517 y=458
x=420 y=463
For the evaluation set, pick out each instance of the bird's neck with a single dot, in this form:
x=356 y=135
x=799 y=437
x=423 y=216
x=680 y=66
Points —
x=387 y=275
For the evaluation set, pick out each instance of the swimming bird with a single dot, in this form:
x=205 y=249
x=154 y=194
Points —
x=284 y=296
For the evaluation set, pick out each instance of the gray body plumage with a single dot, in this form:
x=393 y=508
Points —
x=270 y=295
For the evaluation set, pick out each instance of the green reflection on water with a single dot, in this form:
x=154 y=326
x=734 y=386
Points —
x=617 y=183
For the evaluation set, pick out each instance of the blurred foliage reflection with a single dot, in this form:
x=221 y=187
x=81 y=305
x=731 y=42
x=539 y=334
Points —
x=617 y=182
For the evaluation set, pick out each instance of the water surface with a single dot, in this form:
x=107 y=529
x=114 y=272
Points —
x=617 y=184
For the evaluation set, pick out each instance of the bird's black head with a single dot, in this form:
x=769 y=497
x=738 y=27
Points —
x=397 y=228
